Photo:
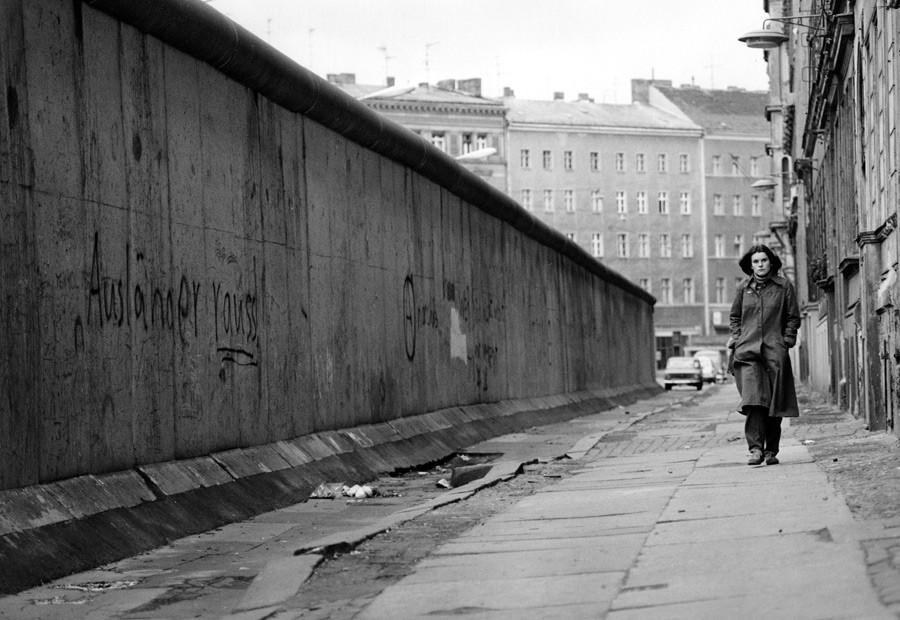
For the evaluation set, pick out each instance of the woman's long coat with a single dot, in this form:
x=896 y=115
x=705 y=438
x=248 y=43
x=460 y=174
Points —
x=764 y=326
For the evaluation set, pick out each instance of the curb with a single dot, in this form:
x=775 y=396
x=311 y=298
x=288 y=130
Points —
x=281 y=578
x=52 y=530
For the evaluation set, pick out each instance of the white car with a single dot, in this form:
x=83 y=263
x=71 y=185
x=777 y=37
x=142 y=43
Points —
x=683 y=371
x=708 y=369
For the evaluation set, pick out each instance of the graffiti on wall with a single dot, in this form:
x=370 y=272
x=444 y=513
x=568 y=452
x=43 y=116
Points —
x=468 y=314
x=185 y=309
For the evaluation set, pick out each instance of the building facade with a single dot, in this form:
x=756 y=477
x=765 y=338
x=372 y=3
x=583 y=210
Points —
x=733 y=162
x=622 y=181
x=659 y=190
x=452 y=115
x=834 y=102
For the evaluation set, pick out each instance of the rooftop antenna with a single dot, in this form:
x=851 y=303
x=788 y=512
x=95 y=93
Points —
x=311 y=31
x=712 y=66
x=269 y=30
x=428 y=47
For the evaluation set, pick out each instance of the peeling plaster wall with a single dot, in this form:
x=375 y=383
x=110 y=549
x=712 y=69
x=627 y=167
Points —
x=186 y=266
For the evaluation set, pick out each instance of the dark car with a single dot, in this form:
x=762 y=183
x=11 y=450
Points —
x=683 y=371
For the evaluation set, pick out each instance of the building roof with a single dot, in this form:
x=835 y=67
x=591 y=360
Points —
x=721 y=111
x=423 y=93
x=587 y=113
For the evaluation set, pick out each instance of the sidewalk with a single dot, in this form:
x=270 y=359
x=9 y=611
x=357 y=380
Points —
x=662 y=519
x=689 y=534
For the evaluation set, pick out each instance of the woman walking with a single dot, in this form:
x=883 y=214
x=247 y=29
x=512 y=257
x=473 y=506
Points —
x=764 y=323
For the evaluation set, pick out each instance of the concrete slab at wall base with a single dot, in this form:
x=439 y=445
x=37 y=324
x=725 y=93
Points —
x=49 y=531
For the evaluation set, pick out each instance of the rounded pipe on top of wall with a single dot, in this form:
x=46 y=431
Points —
x=204 y=33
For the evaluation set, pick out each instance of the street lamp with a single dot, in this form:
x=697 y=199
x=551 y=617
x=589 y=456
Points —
x=763 y=184
x=769 y=39
x=763 y=39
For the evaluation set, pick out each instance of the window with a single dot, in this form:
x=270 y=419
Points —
x=621 y=203
x=622 y=245
x=662 y=163
x=720 y=290
x=754 y=205
x=760 y=239
x=526 y=199
x=688 y=290
x=481 y=141
x=717 y=164
x=665 y=246
x=595 y=161
x=737 y=283
x=467 y=143
x=684 y=163
x=754 y=166
x=735 y=166
x=684 y=202
x=548 y=160
x=525 y=158
x=718 y=205
x=687 y=246
x=567 y=160
x=643 y=245
x=439 y=140
x=640 y=164
x=548 y=200
x=663 y=202
x=739 y=245
x=644 y=283
x=569 y=200
x=597 y=245
x=596 y=201
x=642 y=203
x=737 y=205
x=719 y=246
x=620 y=162
x=570 y=236
x=666 y=292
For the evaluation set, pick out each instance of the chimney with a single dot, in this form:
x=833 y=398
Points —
x=508 y=92
x=447 y=84
x=584 y=97
x=559 y=96
x=640 y=89
x=472 y=86
x=390 y=81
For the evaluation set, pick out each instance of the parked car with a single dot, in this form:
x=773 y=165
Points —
x=707 y=369
x=683 y=371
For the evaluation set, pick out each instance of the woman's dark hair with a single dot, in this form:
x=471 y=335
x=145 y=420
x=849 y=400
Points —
x=746 y=260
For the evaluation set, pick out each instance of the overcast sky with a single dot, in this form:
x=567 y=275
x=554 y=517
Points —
x=535 y=47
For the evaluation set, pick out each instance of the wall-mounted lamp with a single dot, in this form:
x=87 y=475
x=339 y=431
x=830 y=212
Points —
x=768 y=39
x=763 y=39
x=763 y=184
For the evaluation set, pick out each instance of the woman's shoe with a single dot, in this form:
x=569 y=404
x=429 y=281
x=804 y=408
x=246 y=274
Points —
x=771 y=459
x=756 y=457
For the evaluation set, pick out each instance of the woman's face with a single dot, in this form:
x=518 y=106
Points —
x=760 y=264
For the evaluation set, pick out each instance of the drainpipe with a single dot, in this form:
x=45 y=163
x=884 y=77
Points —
x=704 y=238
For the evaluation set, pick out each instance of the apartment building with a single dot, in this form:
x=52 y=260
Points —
x=452 y=115
x=623 y=182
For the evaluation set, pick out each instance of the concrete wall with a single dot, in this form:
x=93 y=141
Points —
x=194 y=259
